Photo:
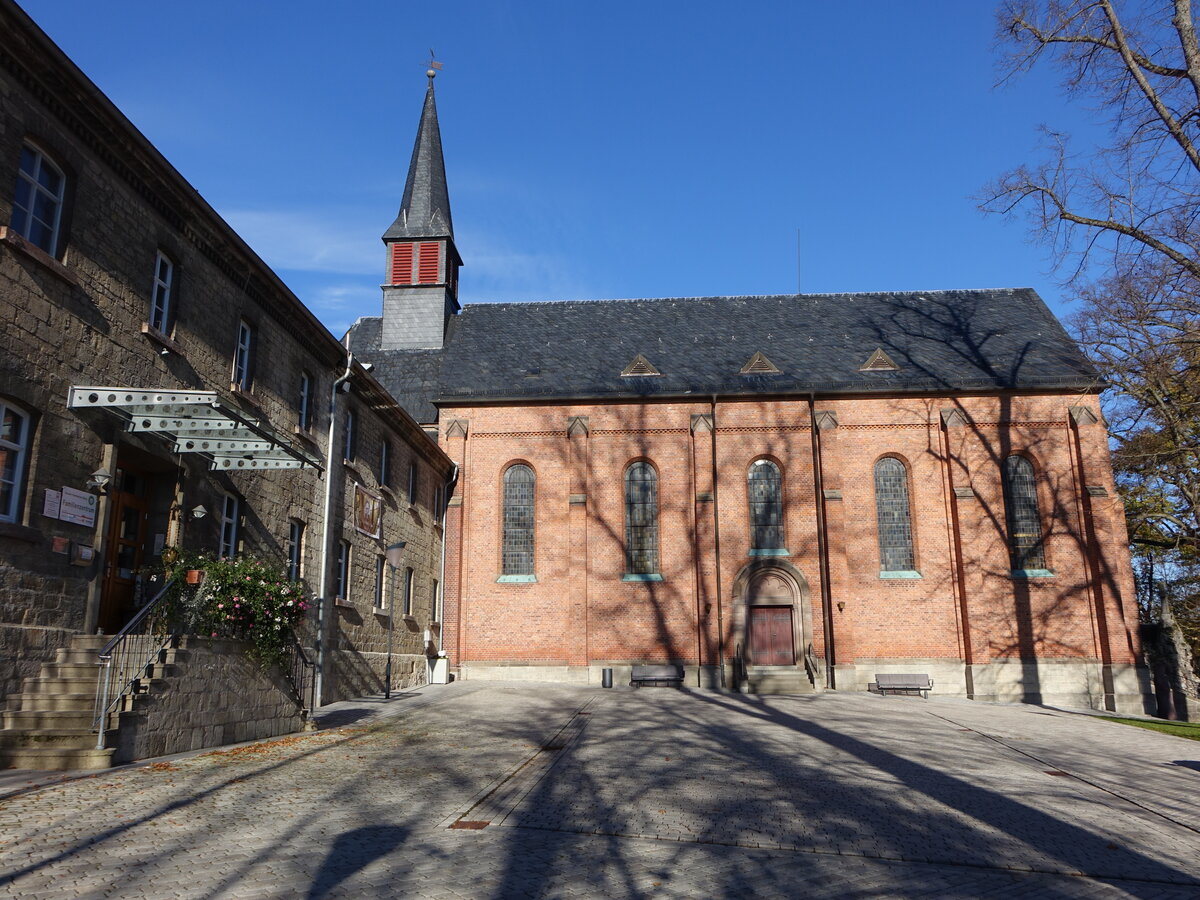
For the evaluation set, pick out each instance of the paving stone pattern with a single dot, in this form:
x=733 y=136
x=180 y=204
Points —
x=481 y=790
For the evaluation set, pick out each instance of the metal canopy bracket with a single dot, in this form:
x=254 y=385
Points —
x=197 y=422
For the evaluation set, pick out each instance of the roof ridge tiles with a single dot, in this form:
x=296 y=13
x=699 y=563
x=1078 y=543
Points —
x=815 y=295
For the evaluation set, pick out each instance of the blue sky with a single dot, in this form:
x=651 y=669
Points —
x=624 y=149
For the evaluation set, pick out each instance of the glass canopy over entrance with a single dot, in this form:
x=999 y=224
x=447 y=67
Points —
x=198 y=422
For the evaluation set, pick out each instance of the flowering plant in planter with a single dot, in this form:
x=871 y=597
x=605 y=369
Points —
x=246 y=598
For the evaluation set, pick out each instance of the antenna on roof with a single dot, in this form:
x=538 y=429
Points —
x=432 y=65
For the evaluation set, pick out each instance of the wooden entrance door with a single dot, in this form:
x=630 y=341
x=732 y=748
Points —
x=129 y=505
x=771 y=639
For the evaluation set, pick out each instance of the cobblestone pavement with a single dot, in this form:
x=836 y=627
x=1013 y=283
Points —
x=482 y=790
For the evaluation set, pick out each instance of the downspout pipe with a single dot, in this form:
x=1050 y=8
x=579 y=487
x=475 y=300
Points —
x=322 y=600
x=717 y=543
x=822 y=545
x=451 y=483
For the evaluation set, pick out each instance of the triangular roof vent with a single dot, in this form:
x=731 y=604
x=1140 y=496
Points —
x=760 y=365
x=640 y=366
x=879 y=362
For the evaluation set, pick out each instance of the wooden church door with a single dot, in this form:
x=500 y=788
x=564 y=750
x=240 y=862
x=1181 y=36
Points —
x=772 y=633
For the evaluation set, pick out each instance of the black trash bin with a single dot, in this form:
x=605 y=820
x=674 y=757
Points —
x=606 y=678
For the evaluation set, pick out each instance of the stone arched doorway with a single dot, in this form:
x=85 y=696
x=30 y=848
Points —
x=773 y=620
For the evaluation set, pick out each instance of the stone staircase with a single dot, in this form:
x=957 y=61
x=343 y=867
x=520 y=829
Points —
x=778 y=680
x=49 y=724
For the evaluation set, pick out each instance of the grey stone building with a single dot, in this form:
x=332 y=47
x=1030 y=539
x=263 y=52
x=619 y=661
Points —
x=161 y=387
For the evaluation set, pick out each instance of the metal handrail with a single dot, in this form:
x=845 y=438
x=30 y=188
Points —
x=134 y=659
x=300 y=674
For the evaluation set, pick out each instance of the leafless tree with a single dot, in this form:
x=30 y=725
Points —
x=1121 y=219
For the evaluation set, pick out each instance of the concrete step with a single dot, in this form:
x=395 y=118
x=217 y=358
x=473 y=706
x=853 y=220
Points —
x=61 y=738
x=78 y=702
x=88 y=670
x=93 y=642
x=784 y=680
x=45 y=686
x=69 y=655
x=55 y=758
x=26 y=719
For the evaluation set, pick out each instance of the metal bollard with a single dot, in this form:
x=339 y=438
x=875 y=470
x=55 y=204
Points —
x=606 y=678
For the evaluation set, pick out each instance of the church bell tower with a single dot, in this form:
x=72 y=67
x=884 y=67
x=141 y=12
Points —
x=420 y=289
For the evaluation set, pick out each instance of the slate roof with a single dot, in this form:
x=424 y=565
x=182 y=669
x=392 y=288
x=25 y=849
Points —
x=425 y=206
x=410 y=376
x=940 y=340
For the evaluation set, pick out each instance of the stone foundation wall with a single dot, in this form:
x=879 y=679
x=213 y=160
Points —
x=353 y=673
x=212 y=695
x=23 y=649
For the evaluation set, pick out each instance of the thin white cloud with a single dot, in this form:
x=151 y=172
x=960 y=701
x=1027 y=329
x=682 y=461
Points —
x=496 y=273
x=337 y=241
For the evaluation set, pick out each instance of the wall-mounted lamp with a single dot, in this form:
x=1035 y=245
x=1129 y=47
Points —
x=841 y=606
x=199 y=512
x=99 y=480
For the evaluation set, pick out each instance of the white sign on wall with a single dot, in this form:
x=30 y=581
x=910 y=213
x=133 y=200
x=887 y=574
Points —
x=78 y=507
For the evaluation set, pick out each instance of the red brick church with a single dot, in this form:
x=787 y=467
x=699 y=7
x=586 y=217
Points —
x=780 y=493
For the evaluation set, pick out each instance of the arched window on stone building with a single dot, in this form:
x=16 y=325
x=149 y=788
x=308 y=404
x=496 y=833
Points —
x=893 y=517
x=641 y=520
x=519 y=483
x=1021 y=513
x=765 y=489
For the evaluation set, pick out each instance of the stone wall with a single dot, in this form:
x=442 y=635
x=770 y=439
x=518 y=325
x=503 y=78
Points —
x=80 y=316
x=213 y=694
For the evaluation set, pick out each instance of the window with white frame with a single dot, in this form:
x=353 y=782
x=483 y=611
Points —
x=161 y=293
x=341 y=572
x=295 y=549
x=230 y=514
x=412 y=482
x=380 y=569
x=38 y=200
x=306 y=401
x=14 y=442
x=385 y=462
x=350 y=437
x=243 y=356
x=408 y=591
x=437 y=602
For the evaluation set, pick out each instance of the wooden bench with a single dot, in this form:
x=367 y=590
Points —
x=901 y=684
x=669 y=675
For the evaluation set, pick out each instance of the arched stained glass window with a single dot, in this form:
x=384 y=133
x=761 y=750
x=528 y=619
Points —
x=518 y=520
x=766 y=505
x=893 y=517
x=641 y=519
x=1021 y=513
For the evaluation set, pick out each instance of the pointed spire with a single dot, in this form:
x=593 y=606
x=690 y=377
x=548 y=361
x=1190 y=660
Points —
x=425 y=209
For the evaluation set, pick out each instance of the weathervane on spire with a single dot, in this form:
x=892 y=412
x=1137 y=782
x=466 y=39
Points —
x=433 y=64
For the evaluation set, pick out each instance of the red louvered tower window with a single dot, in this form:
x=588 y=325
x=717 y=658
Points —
x=427 y=268
x=402 y=264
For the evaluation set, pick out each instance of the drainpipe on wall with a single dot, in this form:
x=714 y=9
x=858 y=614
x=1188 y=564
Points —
x=717 y=543
x=322 y=600
x=450 y=484
x=822 y=544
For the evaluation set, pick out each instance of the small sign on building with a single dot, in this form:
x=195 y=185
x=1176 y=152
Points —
x=77 y=507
